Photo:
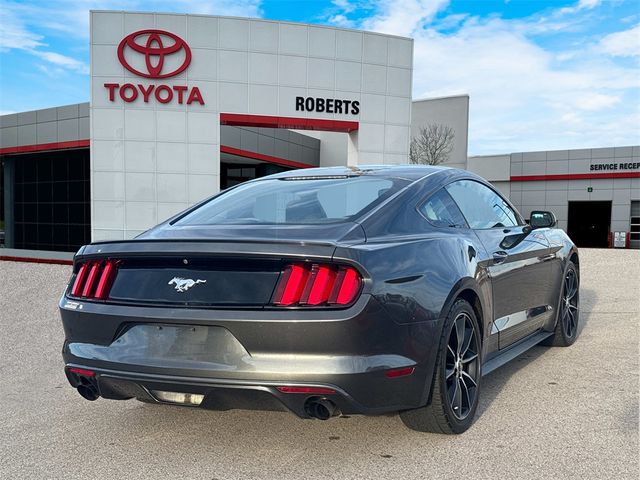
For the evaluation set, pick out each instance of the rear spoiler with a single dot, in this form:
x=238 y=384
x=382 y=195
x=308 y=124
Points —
x=228 y=248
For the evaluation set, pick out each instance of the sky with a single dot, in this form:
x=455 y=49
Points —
x=541 y=75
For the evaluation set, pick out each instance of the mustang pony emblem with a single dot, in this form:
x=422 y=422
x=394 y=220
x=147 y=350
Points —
x=184 y=284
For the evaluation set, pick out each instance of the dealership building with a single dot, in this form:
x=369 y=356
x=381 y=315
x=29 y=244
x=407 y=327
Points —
x=182 y=106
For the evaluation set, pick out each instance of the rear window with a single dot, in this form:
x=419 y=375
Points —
x=295 y=200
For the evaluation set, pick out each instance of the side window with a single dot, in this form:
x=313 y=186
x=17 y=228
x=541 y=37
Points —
x=442 y=211
x=481 y=206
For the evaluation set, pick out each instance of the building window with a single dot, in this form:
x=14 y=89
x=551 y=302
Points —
x=51 y=200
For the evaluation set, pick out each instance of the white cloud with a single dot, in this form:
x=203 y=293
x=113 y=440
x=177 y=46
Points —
x=520 y=95
x=13 y=33
x=62 y=61
x=402 y=17
x=589 y=4
x=452 y=21
x=581 y=5
x=571 y=118
x=622 y=44
x=597 y=101
x=344 y=5
x=16 y=35
x=523 y=96
x=51 y=71
x=238 y=8
x=341 y=20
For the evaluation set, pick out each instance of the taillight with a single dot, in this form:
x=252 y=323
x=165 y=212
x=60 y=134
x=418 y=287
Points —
x=106 y=277
x=94 y=279
x=76 y=290
x=317 y=285
x=289 y=289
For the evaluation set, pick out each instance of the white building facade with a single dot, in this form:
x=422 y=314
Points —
x=594 y=193
x=163 y=84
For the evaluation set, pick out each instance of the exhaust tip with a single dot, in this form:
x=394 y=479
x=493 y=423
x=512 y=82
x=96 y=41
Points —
x=321 y=408
x=88 y=392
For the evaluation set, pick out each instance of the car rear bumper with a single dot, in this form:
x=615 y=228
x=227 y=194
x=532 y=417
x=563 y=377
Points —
x=221 y=395
x=237 y=360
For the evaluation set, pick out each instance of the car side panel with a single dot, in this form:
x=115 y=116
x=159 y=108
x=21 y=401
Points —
x=414 y=276
x=415 y=280
x=519 y=278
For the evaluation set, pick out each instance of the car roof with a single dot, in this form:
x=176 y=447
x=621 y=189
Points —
x=409 y=172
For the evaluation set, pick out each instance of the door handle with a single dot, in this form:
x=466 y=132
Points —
x=499 y=257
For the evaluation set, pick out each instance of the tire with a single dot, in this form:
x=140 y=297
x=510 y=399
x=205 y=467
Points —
x=568 y=316
x=453 y=370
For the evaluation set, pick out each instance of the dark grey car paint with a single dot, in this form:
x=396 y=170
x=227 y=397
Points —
x=412 y=272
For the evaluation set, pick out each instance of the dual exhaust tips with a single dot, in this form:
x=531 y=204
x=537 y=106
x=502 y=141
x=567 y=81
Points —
x=315 y=407
x=320 y=408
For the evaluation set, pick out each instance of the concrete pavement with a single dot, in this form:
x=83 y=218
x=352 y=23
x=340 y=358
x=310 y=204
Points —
x=555 y=412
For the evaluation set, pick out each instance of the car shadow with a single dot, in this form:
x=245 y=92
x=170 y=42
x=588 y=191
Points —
x=494 y=383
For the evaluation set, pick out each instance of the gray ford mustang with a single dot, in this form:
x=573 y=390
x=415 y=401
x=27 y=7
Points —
x=324 y=292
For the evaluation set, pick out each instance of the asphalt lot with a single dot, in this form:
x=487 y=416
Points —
x=564 y=413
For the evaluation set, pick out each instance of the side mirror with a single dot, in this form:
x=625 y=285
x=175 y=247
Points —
x=542 y=219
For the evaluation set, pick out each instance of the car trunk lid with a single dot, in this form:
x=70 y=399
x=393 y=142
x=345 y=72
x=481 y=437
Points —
x=203 y=266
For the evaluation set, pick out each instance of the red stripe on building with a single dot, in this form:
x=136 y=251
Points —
x=573 y=176
x=56 y=261
x=293 y=123
x=41 y=147
x=260 y=156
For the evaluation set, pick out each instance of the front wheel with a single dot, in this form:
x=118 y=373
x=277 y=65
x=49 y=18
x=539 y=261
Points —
x=566 y=330
x=456 y=382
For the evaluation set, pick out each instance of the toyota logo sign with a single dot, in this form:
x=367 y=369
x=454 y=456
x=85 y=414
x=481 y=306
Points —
x=154 y=51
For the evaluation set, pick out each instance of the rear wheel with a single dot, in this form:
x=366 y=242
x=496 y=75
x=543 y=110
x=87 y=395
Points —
x=566 y=330
x=456 y=382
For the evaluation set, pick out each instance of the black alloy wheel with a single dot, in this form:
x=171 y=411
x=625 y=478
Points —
x=567 y=324
x=457 y=376
x=462 y=367
x=569 y=304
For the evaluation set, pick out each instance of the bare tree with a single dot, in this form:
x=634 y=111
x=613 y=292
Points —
x=433 y=144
